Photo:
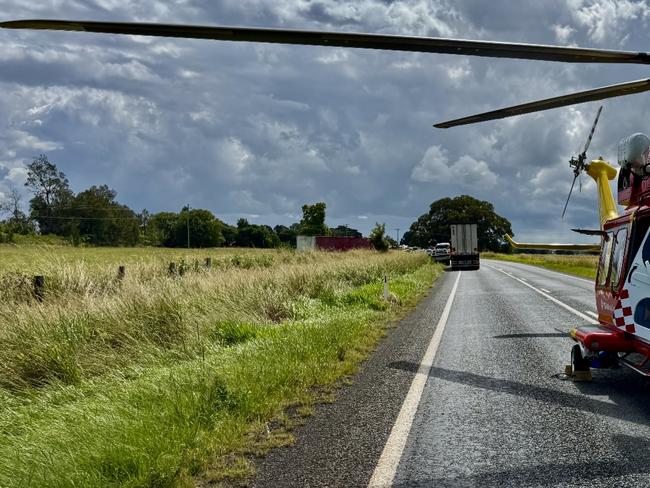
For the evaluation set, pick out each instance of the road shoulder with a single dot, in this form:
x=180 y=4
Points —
x=341 y=443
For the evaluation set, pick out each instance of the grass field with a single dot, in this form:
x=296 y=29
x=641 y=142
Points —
x=159 y=380
x=579 y=265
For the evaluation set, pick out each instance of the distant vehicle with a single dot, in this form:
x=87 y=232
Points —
x=464 y=247
x=442 y=252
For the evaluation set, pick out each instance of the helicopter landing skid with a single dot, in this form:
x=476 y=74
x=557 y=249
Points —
x=641 y=366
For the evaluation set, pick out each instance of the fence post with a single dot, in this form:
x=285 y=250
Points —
x=39 y=288
x=208 y=263
x=172 y=269
x=121 y=272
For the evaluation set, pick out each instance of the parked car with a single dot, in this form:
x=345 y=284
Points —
x=442 y=252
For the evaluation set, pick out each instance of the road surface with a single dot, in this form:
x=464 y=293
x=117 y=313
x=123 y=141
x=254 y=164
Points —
x=486 y=407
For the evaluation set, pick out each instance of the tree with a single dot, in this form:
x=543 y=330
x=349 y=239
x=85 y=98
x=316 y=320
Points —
x=51 y=196
x=97 y=218
x=345 y=231
x=313 y=220
x=160 y=228
x=434 y=226
x=18 y=222
x=229 y=234
x=287 y=235
x=378 y=237
x=205 y=229
x=252 y=235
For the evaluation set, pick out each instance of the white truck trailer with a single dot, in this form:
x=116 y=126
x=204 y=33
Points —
x=464 y=247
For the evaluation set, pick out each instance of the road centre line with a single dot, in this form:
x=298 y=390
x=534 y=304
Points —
x=388 y=463
x=546 y=295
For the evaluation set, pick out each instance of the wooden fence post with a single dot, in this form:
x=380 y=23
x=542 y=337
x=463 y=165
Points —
x=172 y=269
x=121 y=272
x=39 y=288
x=208 y=263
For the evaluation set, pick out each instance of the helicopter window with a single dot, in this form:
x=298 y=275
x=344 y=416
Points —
x=605 y=254
x=646 y=247
x=639 y=231
x=642 y=313
x=617 y=256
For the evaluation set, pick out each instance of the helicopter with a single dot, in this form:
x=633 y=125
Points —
x=622 y=285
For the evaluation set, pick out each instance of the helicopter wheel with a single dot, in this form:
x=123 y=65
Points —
x=578 y=362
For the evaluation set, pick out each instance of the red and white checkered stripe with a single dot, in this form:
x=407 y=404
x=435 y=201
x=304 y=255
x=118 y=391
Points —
x=623 y=315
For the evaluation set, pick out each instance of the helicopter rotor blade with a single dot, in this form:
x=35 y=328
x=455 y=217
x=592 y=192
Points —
x=593 y=128
x=340 y=39
x=580 y=182
x=609 y=91
x=569 y=197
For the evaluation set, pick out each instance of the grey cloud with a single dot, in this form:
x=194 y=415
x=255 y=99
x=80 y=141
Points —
x=262 y=129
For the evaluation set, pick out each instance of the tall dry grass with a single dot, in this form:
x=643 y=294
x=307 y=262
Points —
x=90 y=322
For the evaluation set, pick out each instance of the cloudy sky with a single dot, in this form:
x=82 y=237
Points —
x=256 y=130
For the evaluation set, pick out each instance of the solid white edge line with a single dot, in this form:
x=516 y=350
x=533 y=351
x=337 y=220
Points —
x=545 y=290
x=546 y=295
x=388 y=463
x=593 y=314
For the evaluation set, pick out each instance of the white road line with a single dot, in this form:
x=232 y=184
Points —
x=523 y=279
x=546 y=295
x=389 y=461
x=593 y=314
x=545 y=290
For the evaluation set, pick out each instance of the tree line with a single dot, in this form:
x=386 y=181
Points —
x=434 y=226
x=95 y=217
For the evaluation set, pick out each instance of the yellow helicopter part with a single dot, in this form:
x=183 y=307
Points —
x=547 y=247
x=602 y=172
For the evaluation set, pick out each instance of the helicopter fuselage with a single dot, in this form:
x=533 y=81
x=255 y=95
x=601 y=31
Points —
x=622 y=285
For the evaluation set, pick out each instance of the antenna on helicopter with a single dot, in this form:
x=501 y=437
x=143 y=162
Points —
x=578 y=164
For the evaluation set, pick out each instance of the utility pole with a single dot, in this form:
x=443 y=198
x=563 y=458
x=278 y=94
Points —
x=397 y=229
x=188 y=226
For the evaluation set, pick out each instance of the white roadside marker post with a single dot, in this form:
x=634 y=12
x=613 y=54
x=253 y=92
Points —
x=385 y=288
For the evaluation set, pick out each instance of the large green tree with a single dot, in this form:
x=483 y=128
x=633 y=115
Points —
x=97 y=218
x=434 y=226
x=52 y=196
x=204 y=229
x=378 y=237
x=313 y=220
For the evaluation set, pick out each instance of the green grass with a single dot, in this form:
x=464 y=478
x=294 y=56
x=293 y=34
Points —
x=579 y=265
x=163 y=381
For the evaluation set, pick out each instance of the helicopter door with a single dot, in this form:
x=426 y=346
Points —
x=632 y=311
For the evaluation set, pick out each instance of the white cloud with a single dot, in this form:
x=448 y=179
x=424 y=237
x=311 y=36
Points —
x=563 y=33
x=435 y=167
x=607 y=19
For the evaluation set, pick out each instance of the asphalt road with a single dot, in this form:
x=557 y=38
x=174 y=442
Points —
x=492 y=411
